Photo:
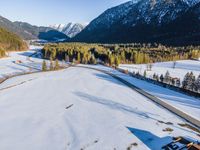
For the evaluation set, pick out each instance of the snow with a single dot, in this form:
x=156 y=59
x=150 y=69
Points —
x=187 y=104
x=9 y=67
x=70 y=29
x=181 y=69
x=104 y=114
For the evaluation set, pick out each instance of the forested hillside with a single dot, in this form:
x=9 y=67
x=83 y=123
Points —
x=10 y=42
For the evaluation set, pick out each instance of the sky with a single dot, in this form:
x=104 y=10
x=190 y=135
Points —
x=49 y=12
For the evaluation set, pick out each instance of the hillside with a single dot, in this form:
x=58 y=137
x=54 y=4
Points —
x=5 y=23
x=45 y=33
x=174 y=22
x=30 y=32
x=10 y=41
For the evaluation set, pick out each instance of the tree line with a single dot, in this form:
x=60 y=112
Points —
x=114 y=54
x=190 y=81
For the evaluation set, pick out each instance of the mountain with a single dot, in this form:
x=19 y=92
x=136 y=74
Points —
x=5 y=23
x=30 y=32
x=45 y=33
x=164 y=21
x=70 y=29
x=10 y=41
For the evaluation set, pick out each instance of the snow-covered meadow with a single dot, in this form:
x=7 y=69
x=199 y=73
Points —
x=187 y=104
x=8 y=65
x=181 y=68
x=80 y=108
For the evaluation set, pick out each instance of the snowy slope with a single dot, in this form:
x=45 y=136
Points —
x=187 y=104
x=9 y=67
x=95 y=113
x=146 y=21
x=180 y=70
x=70 y=29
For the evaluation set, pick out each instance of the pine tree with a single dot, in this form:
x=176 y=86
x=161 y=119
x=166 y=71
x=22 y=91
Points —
x=117 y=61
x=66 y=58
x=167 y=77
x=192 y=81
x=161 y=78
x=57 y=66
x=78 y=57
x=189 y=81
x=51 y=65
x=44 y=66
x=93 y=60
x=111 y=60
x=145 y=73
x=197 y=84
x=186 y=81
x=123 y=56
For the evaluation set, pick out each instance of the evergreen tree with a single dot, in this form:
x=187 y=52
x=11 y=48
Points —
x=44 y=66
x=186 y=81
x=78 y=57
x=51 y=65
x=111 y=60
x=167 y=77
x=197 y=84
x=192 y=81
x=161 y=78
x=117 y=61
x=66 y=58
x=57 y=66
x=145 y=73
x=93 y=60
x=189 y=81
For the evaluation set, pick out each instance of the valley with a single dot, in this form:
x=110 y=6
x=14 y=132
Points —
x=100 y=75
x=99 y=105
x=77 y=116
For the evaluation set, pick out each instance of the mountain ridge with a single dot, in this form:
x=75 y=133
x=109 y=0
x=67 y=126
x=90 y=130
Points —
x=70 y=29
x=143 y=21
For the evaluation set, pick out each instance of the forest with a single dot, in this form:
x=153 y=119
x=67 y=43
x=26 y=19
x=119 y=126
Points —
x=10 y=42
x=115 y=54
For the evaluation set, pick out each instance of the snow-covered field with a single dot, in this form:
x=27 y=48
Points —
x=78 y=108
x=9 y=67
x=180 y=70
x=187 y=104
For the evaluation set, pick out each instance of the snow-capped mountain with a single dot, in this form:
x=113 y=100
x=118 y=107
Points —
x=145 y=21
x=70 y=29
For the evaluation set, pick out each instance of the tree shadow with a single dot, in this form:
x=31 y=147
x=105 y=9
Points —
x=160 y=92
x=115 y=105
x=149 y=139
x=108 y=78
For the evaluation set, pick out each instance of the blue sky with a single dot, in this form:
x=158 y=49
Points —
x=46 y=12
